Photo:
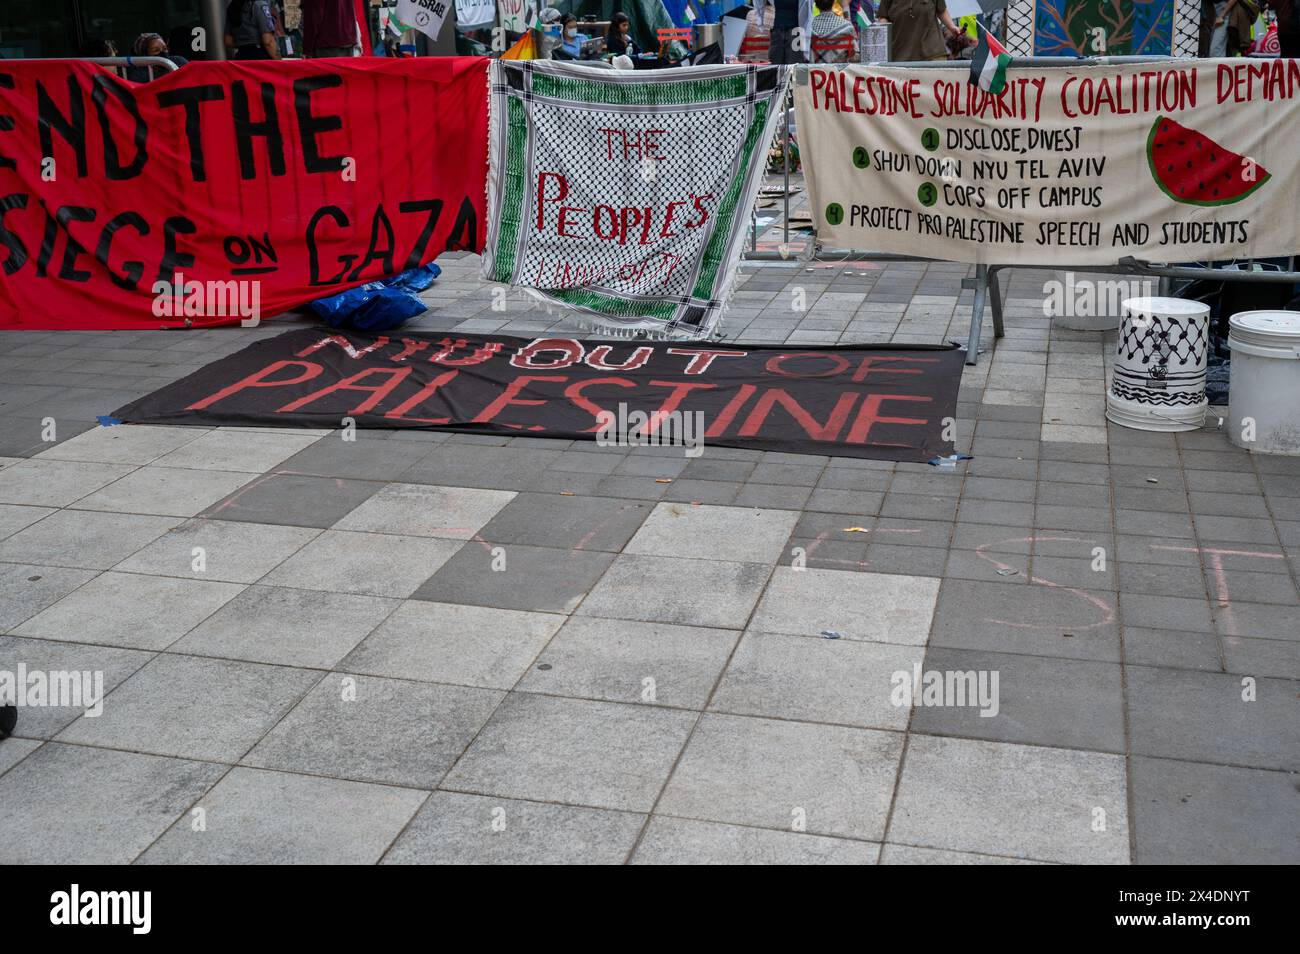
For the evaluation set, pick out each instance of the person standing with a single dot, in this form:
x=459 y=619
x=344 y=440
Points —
x=1288 y=26
x=914 y=33
x=786 y=45
x=830 y=26
x=250 y=30
x=329 y=28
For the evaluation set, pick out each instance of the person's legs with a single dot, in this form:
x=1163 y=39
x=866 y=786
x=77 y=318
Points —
x=325 y=51
x=1290 y=44
x=1219 y=38
x=782 y=50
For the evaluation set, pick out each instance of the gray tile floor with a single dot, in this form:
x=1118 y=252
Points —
x=425 y=647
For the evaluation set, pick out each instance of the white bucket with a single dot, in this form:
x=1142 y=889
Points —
x=1264 y=381
x=1158 y=381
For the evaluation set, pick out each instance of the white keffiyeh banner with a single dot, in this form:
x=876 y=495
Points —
x=625 y=195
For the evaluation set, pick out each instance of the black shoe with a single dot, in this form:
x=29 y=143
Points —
x=8 y=719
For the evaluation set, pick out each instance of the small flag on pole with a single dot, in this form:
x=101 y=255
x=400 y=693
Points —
x=690 y=13
x=988 y=67
x=862 y=21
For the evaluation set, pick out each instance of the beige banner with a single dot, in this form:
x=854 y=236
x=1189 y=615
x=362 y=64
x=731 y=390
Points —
x=1188 y=160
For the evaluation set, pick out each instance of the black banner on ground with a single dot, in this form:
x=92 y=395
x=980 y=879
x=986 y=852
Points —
x=884 y=402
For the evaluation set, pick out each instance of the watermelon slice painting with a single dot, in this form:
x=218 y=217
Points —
x=1194 y=169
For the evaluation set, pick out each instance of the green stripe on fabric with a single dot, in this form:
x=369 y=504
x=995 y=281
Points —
x=675 y=93
x=617 y=307
x=713 y=252
x=512 y=196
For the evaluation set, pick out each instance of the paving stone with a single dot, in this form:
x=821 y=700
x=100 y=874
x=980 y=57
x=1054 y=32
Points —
x=685 y=490
x=1161 y=580
x=910 y=561
x=136 y=444
x=68 y=804
x=456 y=829
x=238 y=450
x=891 y=854
x=772 y=774
x=918 y=506
x=122 y=609
x=1177 y=649
x=1265 y=657
x=817 y=680
x=1023 y=801
x=231 y=551
x=588 y=459
x=987 y=565
x=27 y=590
x=209 y=709
x=86 y=540
x=456 y=513
x=569 y=522
x=628 y=661
x=1257 y=620
x=974 y=536
x=56 y=483
x=704 y=593
x=95 y=671
x=315 y=821
x=514 y=576
x=707 y=467
x=376 y=730
x=806 y=602
x=1202 y=716
x=1166 y=612
x=165 y=491
x=292 y=500
x=443 y=642
x=1037 y=700
x=573 y=751
x=684 y=841
x=372 y=564
x=1239 y=587
x=1192 y=813
x=14 y=517
x=714 y=533
x=373 y=455
x=15 y=750
x=496 y=468
x=997 y=488
x=292 y=627
x=774 y=496
x=1037 y=620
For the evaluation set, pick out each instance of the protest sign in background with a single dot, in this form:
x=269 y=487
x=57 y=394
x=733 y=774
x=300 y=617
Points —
x=515 y=14
x=424 y=15
x=1180 y=161
x=625 y=195
x=475 y=12
x=299 y=178
x=885 y=402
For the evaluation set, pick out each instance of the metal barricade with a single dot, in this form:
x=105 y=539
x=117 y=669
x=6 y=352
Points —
x=119 y=64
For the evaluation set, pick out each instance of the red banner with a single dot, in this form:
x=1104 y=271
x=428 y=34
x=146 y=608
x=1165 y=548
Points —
x=225 y=192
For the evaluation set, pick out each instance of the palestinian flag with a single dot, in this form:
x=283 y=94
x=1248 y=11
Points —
x=861 y=20
x=988 y=67
x=691 y=15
